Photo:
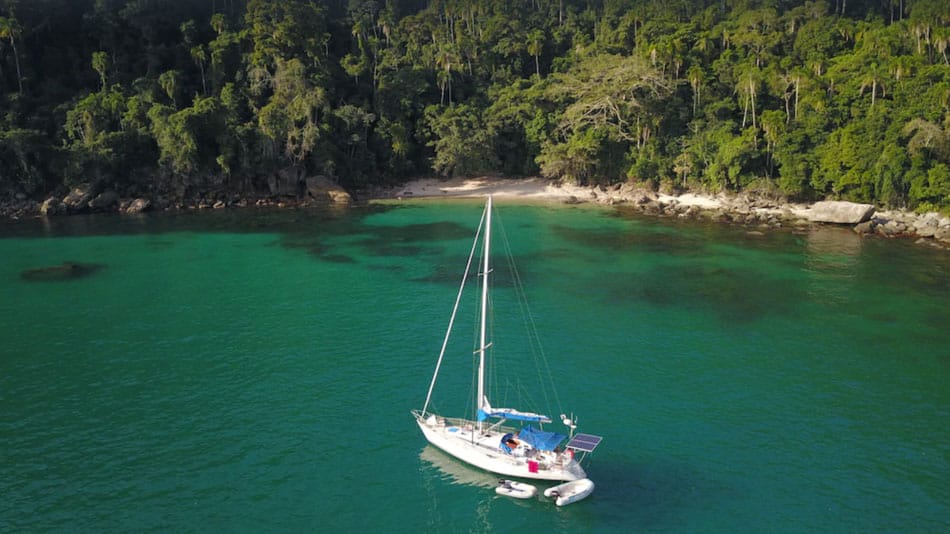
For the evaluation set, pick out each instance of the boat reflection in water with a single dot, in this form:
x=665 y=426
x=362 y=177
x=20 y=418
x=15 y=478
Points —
x=437 y=466
x=455 y=471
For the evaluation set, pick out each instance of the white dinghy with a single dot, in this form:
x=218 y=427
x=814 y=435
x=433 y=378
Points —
x=518 y=490
x=570 y=492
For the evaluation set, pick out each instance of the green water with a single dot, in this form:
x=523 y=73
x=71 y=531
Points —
x=254 y=372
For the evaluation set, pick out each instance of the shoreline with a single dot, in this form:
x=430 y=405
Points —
x=758 y=213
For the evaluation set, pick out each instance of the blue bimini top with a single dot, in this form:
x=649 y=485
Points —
x=539 y=439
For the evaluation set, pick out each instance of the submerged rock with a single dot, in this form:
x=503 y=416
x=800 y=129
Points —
x=66 y=271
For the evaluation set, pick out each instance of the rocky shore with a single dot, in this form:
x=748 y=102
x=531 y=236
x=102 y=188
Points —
x=758 y=213
x=93 y=198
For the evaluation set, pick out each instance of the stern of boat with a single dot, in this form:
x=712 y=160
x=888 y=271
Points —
x=575 y=470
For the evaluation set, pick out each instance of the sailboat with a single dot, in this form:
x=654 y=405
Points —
x=506 y=441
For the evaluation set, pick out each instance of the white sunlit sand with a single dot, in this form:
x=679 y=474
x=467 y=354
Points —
x=739 y=208
x=533 y=188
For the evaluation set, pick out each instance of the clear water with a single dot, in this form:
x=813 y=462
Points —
x=255 y=372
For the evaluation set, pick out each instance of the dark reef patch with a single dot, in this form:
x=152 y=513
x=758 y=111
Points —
x=68 y=270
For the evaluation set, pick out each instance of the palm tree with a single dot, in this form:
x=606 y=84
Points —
x=535 y=44
x=200 y=56
x=748 y=86
x=446 y=60
x=10 y=29
x=100 y=63
x=873 y=77
x=696 y=78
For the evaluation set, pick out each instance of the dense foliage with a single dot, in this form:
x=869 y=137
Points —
x=813 y=99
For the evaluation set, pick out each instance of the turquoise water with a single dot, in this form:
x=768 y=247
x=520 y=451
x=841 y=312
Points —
x=254 y=372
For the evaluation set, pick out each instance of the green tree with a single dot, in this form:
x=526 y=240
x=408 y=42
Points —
x=170 y=81
x=10 y=30
x=616 y=94
x=199 y=54
x=535 y=45
x=100 y=64
x=460 y=141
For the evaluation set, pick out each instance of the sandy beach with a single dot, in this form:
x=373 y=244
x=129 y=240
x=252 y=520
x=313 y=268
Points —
x=930 y=228
x=540 y=189
x=536 y=188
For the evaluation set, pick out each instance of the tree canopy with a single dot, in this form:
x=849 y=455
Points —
x=804 y=99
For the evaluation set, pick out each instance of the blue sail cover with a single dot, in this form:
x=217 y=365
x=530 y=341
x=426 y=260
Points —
x=508 y=413
x=539 y=439
x=487 y=411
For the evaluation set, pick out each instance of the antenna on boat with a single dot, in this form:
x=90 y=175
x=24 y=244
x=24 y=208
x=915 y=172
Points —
x=569 y=422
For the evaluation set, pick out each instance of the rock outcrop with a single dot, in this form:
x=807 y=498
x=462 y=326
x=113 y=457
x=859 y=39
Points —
x=137 y=205
x=104 y=200
x=51 y=206
x=322 y=188
x=839 y=212
x=930 y=226
x=78 y=199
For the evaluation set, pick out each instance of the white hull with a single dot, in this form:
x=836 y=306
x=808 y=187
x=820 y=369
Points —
x=570 y=492
x=455 y=437
x=496 y=448
x=517 y=490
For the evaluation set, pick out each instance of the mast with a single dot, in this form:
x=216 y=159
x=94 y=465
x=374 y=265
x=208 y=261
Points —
x=482 y=341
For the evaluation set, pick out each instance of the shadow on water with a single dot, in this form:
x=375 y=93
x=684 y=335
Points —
x=316 y=230
x=373 y=240
x=656 y=240
x=734 y=295
x=455 y=471
x=408 y=240
x=449 y=272
x=236 y=220
x=652 y=496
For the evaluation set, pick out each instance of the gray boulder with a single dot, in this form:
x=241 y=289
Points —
x=867 y=227
x=322 y=188
x=78 y=199
x=138 y=205
x=51 y=206
x=839 y=212
x=104 y=200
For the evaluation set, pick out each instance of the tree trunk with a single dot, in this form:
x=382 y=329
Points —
x=16 y=61
x=752 y=99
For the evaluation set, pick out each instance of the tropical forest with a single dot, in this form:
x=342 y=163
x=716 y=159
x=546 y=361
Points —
x=805 y=100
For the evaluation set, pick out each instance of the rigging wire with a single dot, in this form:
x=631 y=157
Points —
x=455 y=308
x=534 y=340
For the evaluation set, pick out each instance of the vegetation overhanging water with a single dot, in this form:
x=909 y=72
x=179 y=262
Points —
x=173 y=100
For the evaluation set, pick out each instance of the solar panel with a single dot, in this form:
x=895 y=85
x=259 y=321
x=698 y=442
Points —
x=585 y=442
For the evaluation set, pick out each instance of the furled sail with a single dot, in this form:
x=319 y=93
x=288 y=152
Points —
x=487 y=411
